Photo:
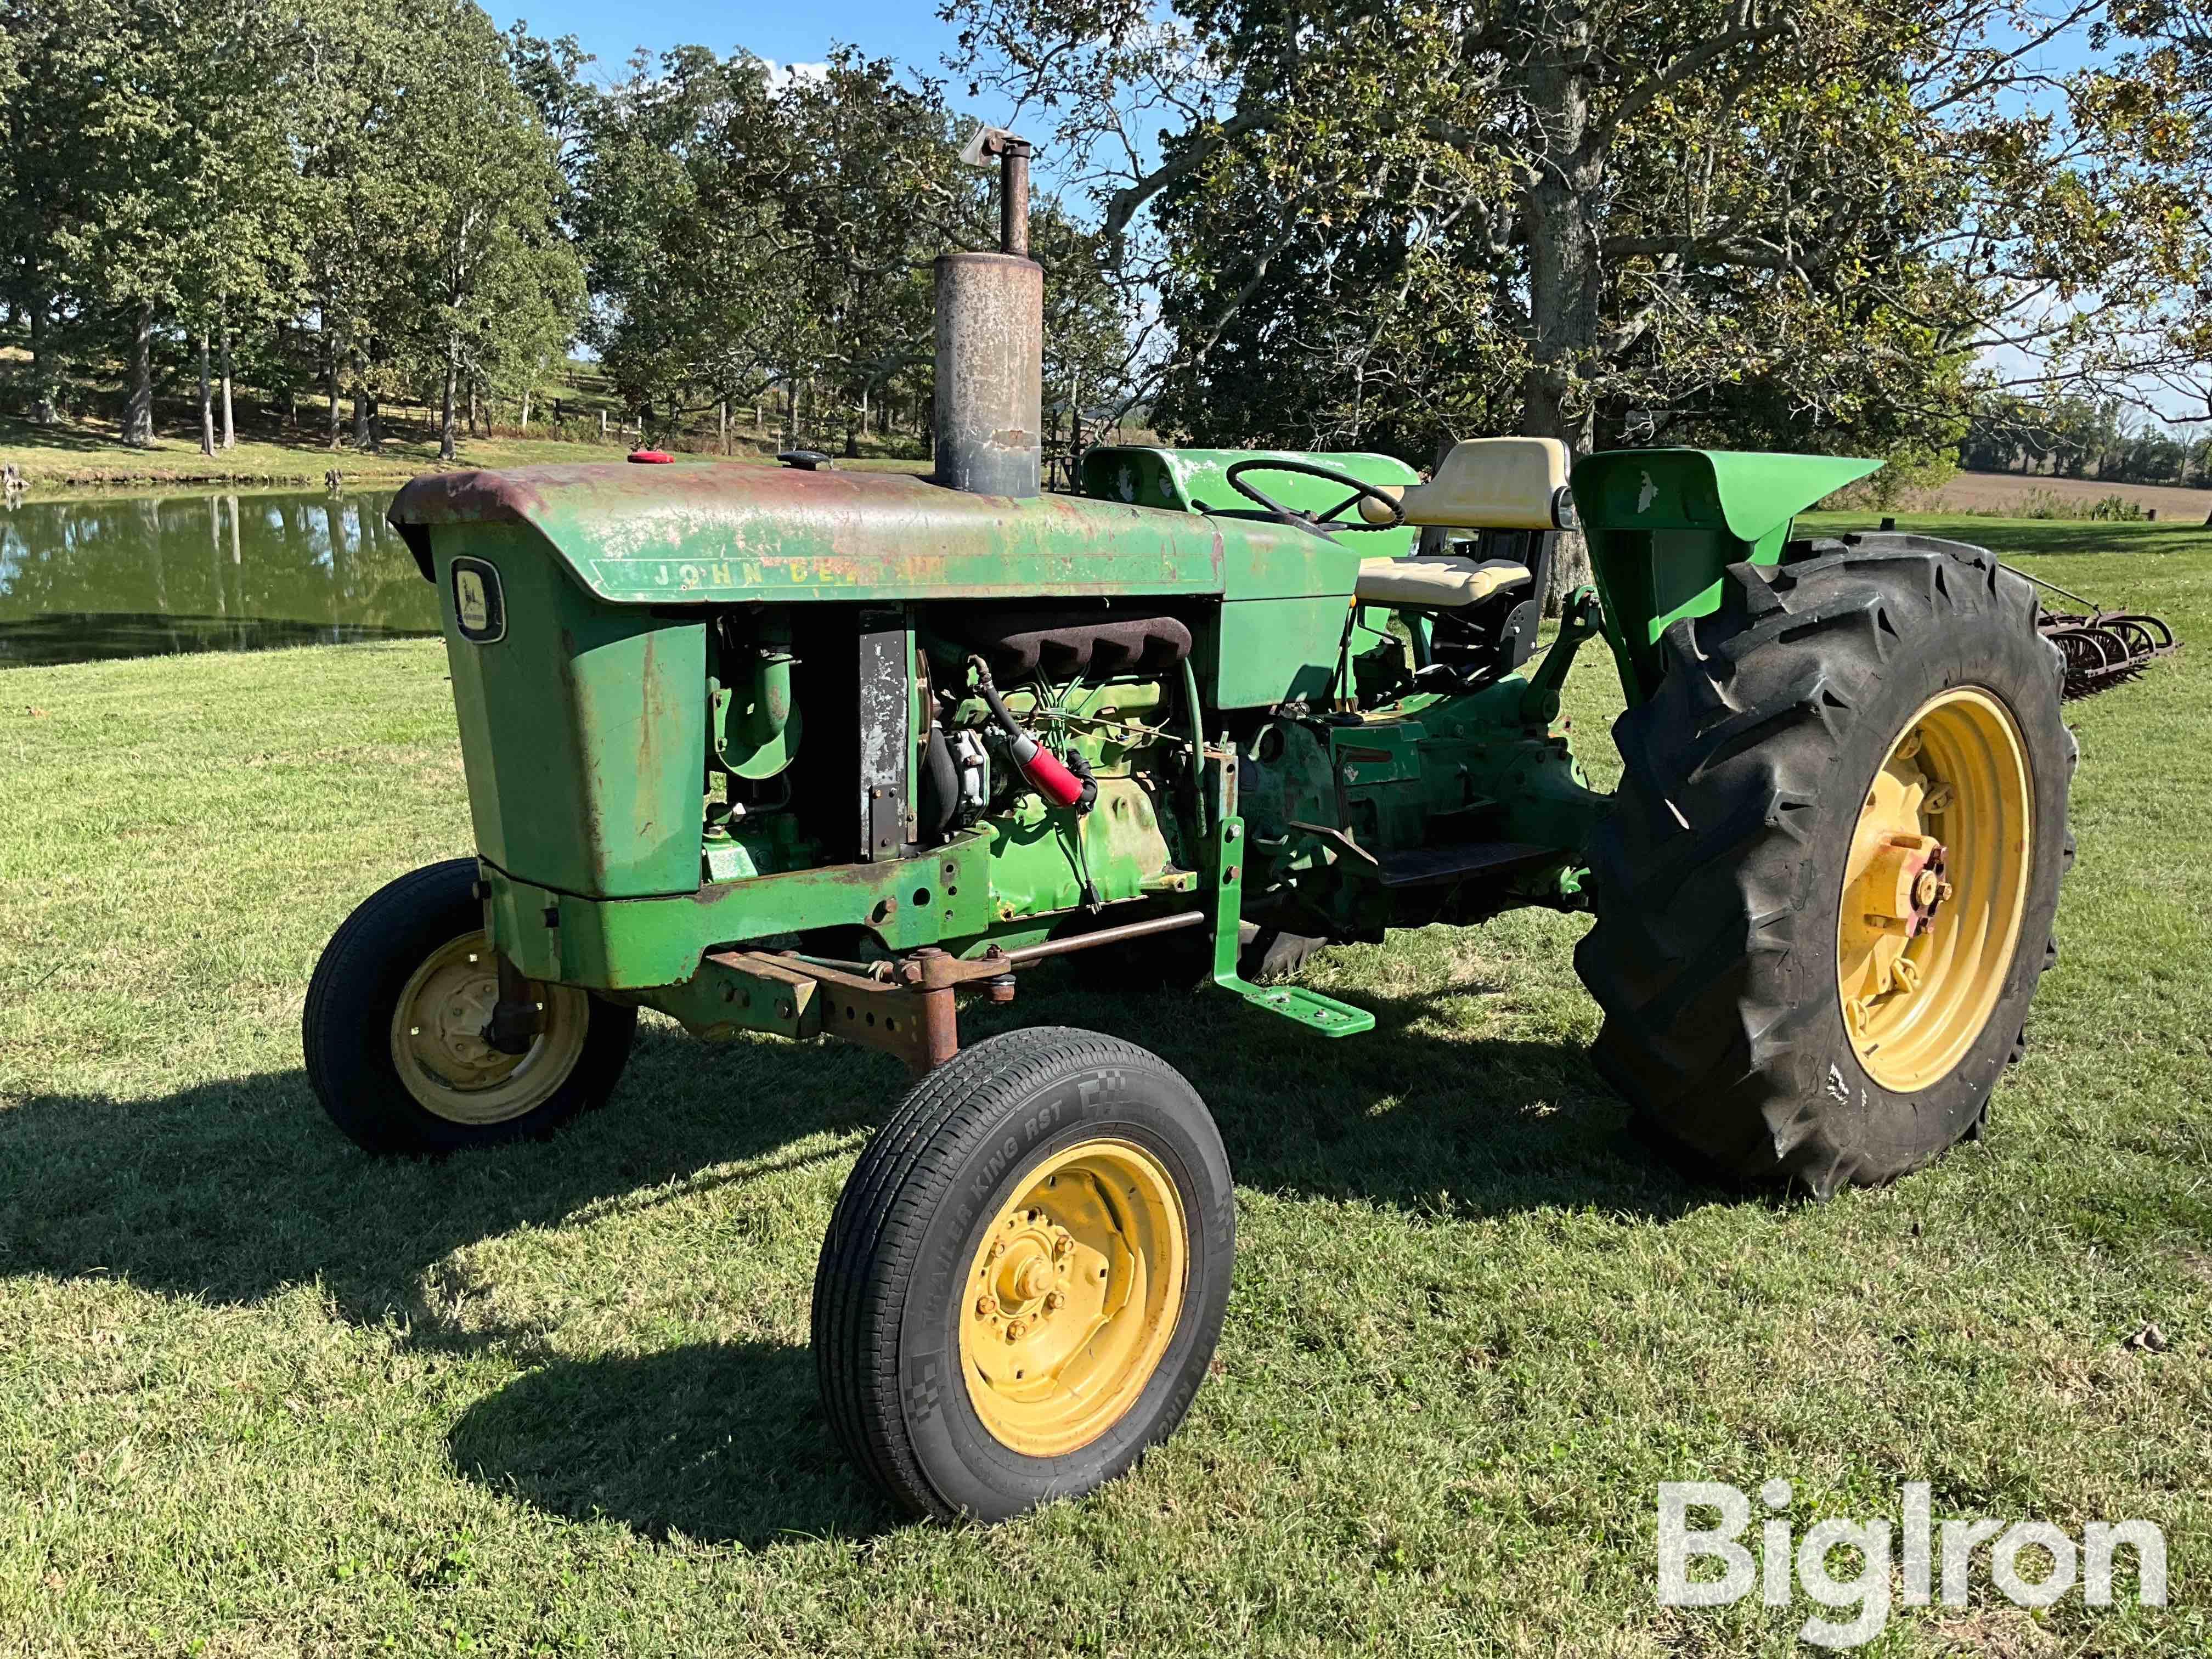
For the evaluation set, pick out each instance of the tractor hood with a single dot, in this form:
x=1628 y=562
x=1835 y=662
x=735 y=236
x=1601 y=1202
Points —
x=713 y=532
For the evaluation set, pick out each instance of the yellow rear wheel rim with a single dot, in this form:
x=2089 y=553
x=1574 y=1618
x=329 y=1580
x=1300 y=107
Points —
x=1072 y=1297
x=1935 y=889
x=438 y=1047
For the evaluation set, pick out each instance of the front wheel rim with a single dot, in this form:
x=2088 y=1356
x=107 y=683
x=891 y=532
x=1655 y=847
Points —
x=1072 y=1297
x=438 y=1047
x=1935 y=889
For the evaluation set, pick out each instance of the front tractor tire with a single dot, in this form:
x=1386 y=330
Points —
x=1824 y=893
x=1024 y=1280
x=393 y=1028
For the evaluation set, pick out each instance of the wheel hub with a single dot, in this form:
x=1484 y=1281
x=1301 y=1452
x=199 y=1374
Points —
x=1072 y=1297
x=1934 y=889
x=1904 y=884
x=457 y=1005
x=438 y=1044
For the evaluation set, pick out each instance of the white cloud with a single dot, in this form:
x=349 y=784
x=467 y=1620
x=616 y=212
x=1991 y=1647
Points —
x=781 y=76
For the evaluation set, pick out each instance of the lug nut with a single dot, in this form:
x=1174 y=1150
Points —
x=982 y=1307
x=1018 y=1329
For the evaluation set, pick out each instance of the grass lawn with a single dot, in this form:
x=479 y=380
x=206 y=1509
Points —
x=259 y=1394
x=55 y=459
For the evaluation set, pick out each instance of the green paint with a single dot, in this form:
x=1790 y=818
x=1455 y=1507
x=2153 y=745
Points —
x=1664 y=523
x=1263 y=652
x=583 y=731
x=592 y=725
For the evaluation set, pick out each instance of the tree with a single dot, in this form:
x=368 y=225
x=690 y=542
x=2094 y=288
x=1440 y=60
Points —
x=51 y=55
x=875 y=192
x=485 y=187
x=677 y=215
x=237 y=250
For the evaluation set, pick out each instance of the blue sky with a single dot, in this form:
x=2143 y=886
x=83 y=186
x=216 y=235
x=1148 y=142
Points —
x=905 y=29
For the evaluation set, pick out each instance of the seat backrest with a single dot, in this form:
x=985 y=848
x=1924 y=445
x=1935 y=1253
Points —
x=1489 y=483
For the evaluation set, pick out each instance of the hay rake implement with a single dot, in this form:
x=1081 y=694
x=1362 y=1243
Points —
x=2103 y=648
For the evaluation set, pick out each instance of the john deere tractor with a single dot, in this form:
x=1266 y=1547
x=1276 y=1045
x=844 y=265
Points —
x=818 y=753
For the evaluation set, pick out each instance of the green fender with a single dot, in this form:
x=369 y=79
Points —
x=1663 y=524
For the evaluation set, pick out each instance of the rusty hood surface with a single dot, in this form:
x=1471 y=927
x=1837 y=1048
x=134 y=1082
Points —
x=709 y=531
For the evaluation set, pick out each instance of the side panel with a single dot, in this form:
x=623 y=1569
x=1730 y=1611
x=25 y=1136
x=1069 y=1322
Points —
x=886 y=741
x=1263 y=652
x=583 y=728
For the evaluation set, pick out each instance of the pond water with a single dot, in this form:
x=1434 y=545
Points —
x=143 y=576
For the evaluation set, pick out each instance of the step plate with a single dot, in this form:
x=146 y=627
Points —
x=1309 y=1008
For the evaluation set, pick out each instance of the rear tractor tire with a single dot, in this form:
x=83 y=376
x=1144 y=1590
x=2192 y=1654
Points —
x=1024 y=1280
x=1824 y=893
x=394 y=1024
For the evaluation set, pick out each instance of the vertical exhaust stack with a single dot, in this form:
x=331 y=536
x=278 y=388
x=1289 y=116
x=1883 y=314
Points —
x=990 y=343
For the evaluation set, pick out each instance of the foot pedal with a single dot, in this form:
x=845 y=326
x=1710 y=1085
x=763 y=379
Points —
x=1309 y=1008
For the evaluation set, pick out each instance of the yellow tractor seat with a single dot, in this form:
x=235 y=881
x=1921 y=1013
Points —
x=1444 y=582
x=1488 y=484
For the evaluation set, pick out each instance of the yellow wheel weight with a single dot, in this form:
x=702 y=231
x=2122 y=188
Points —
x=1935 y=889
x=438 y=1047
x=1072 y=1297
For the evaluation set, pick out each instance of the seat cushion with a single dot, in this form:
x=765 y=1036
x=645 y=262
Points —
x=1444 y=581
x=1488 y=483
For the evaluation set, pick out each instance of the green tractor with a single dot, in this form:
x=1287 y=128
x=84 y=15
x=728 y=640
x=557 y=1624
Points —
x=818 y=753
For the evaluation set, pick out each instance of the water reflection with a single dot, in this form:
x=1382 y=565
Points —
x=146 y=576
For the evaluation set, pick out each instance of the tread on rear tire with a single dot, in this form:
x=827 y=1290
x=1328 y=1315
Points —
x=1718 y=874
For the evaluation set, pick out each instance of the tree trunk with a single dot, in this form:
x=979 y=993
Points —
x=207 y=403
x=1563 y=268
x=360 y=400
x=43 y=412
x=525 y=411
x=331 y=369
x=375 y=425
x=722 y=425
x=138 y=412
x=229 y=429
x=447 y=446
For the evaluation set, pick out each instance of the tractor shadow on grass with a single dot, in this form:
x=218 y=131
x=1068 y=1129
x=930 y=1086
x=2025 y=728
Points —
x=233 y=1189
x=718 y=1443
x=1409 y=1115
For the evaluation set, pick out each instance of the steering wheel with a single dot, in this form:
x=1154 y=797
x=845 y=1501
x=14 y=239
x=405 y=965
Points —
x=1318 y=522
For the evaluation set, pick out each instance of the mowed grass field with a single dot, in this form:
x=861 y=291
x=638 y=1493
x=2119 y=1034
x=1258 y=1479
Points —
x=260 y=1394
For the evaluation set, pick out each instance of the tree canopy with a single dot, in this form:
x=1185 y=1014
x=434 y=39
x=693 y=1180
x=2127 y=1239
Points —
x=1805 y=224
x=1881 y=225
